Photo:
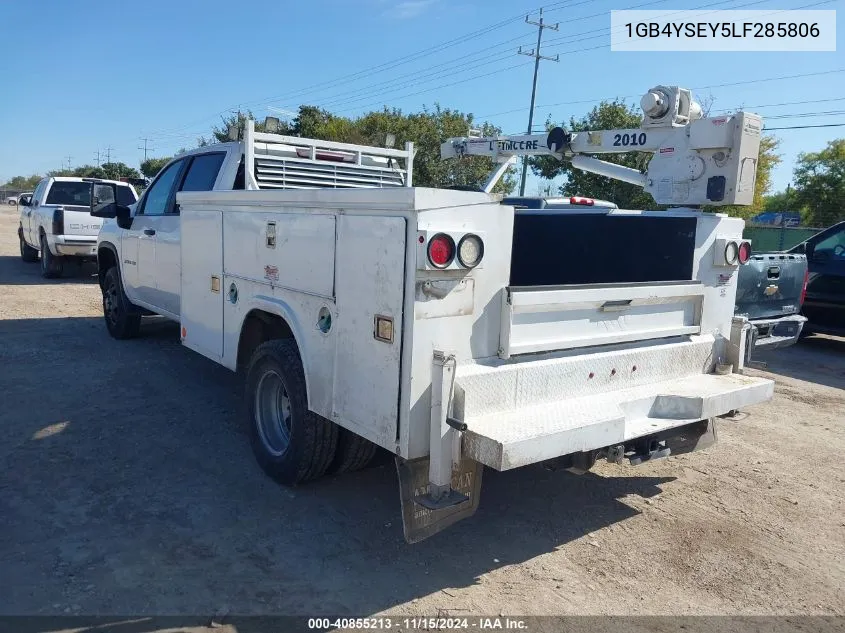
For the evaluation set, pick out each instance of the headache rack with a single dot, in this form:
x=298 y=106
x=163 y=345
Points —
x=274 y=161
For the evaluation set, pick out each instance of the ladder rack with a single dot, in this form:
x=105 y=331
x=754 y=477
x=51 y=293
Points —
x=274 y=161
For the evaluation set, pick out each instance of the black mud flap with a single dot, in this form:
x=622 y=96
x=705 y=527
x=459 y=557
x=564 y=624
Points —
x=693 y=437
x=420 y=522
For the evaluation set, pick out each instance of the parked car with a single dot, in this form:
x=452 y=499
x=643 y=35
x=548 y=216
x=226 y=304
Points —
x=56 y=223
x=13 y=200
x=777 y=218
x=824 y=305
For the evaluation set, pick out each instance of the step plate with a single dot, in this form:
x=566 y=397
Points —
x=509 y=439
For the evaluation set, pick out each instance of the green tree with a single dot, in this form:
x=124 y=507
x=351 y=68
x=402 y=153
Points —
x=152 y=166
x=24 y=183
x=608 y=115
x=820 y=184
x=426 y=129
x=115 y=170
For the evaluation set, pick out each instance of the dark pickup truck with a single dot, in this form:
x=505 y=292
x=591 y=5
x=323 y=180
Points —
x=825 y=302
x=770 y=291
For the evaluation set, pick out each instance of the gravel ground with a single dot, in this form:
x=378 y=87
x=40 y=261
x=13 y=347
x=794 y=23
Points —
x=127 y=486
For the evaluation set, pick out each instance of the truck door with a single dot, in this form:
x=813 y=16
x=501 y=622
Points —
x=155 y=213
x=28 y=220
x=200 y=175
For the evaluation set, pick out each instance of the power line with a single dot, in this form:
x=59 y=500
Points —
x=535 y=53
x=383 y=66
x=737 y=83
x=411 y=57
x=804 y=127
x=145 y=148
x=580 y=50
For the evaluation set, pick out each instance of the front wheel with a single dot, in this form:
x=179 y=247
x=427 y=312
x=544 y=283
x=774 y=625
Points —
x=51 y=265
x=122 y=321
x=12 y=203
x=28 y=254
x=291 y=443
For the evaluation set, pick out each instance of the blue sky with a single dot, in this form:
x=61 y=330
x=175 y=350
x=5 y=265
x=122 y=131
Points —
x=87 y=75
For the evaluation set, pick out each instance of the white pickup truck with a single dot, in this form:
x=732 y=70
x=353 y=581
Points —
x=55 y=221
x=440 y=325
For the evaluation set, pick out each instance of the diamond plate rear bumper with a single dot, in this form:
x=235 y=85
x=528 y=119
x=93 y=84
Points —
x=523 y=413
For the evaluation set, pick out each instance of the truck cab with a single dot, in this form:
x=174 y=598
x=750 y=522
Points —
x=145 y=246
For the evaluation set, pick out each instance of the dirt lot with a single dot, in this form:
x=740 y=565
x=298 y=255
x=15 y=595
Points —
x=127 y=486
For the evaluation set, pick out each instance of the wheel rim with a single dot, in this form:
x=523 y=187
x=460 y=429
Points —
x=110 y=305
x=273 y=413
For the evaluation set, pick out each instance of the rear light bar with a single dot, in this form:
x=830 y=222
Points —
x=582 y=201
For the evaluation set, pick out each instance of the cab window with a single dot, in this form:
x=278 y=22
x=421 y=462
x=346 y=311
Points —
x=202 y=173
x=159 y=199
x=831 y=246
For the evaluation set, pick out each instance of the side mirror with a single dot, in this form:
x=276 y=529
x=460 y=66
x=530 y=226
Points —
x=25 y=201
x=104 y=204
x=123 y=216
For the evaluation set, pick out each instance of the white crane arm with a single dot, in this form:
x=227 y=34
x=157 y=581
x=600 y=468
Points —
x=695 y=161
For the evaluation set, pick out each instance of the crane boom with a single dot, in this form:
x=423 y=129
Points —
x=695 y=160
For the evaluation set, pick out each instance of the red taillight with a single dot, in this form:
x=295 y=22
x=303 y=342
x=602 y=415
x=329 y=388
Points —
x=804 y=288
x=441 y=250
x=583 y=201
x=744 y=252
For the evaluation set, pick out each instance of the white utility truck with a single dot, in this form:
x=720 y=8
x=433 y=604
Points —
x=439 y=324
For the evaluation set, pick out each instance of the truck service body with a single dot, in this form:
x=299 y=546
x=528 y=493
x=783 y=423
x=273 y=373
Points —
x=436 y=324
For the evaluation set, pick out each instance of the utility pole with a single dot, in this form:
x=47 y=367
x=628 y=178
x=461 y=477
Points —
x=97 y=157
x=108 y=154
x=535 y=53
x=151 y=149
x=69 y=158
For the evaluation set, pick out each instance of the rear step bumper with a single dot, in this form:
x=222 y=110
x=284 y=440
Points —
x=526 y=435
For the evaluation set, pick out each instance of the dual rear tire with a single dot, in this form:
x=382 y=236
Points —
x=292 y=444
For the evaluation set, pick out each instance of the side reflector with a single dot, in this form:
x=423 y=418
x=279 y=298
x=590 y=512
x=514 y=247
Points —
x=383 y=330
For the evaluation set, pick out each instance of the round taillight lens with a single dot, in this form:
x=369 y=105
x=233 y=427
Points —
x=441 y=250
x=470 y=250
x=744 y=252
x=731 y=252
